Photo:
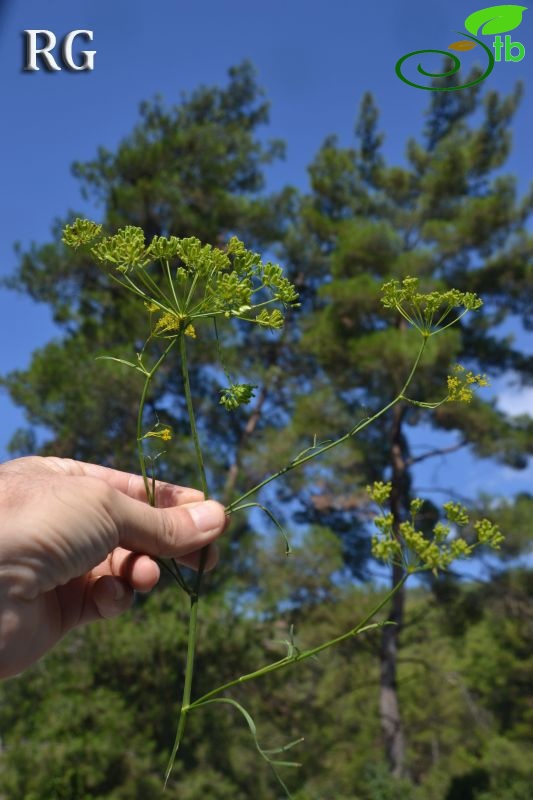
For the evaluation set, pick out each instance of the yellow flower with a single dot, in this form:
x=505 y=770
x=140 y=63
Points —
x=461 y=383
x=165 y=434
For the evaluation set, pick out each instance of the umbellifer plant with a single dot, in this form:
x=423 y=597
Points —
x=184 y=285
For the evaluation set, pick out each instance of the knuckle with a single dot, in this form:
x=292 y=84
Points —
x=100 y=490
x=167 y=534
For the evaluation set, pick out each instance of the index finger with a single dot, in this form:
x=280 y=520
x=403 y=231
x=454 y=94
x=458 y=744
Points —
x=166 y=494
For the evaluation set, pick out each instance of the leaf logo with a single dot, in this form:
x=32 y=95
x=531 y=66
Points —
x=495 y=19
x=464 y=44
x=488 y=21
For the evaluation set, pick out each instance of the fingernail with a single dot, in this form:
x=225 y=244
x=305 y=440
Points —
x=207 y=515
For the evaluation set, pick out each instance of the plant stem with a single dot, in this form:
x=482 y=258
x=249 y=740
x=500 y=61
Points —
x=285 y=662
x=171 y=284
x=149 y=494
x=150 y=491
x=190 y=411
x=186 y=704
x=195 y=593
x=189 y=671
x=359 y=427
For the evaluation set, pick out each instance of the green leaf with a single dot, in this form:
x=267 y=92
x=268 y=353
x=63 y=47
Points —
x=495 y=19
x=264 y=753
x=121 y=361
x=284 y=748
x=279 y=526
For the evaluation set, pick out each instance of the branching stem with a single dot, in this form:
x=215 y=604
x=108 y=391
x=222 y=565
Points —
x=304 y=654
x=302 y=459
x=294 y=658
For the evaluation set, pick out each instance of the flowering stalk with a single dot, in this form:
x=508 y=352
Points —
x=315 y=451
x=208 y=284
x=142 y=460
x=195 y=593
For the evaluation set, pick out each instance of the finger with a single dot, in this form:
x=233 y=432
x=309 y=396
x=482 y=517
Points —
x=90 y=598
x=140 y=571
x=107 y=597
x=166 y=494
x=167 y=532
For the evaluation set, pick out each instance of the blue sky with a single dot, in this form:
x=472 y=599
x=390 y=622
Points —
x=315 y=60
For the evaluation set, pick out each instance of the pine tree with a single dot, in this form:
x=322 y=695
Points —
x=449 y=217
x=192 y=170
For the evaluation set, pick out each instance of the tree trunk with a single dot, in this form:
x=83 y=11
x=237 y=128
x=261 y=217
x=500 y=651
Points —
x=389 y=707
x=253 y=420
x=247 y=432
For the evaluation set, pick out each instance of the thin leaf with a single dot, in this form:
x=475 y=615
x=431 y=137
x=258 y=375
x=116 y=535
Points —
x=374 y=625
x=285 y=747
x=495 y=19
x=263 y=753
x=315 y=446
x=279 y=526
x=463 y=44
x=270 y=515
x=121 y=361
x=244 y=712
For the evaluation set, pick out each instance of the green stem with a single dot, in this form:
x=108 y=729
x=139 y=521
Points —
x=153 y=289
x=191 y=291
x=149 y=494
x=150 y=490
x=132 y=287
x=174 y=572
x=294 y=659
x=186 y=704
x=189 y=671
x=171 y=285
x=414 y=367
x=190 y=411
x=197 y=447
x=359 y=427
x=194 y=594
x=453 y=322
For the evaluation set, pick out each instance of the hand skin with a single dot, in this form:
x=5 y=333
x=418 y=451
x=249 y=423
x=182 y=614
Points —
x=76 y=541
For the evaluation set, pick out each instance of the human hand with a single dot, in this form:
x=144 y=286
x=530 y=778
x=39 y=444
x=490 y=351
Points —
x=76 y=541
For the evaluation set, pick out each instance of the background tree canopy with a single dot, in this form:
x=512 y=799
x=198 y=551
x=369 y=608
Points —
x=438 y=706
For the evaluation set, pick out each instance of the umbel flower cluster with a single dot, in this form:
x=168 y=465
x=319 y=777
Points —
x=431 y=312
x=461 y=384
x=415 y=550
x=203 y=281
x=184 y=282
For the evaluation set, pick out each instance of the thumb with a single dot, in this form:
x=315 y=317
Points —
x=167 y=532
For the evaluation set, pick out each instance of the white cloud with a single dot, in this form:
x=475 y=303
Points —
x=516 y=401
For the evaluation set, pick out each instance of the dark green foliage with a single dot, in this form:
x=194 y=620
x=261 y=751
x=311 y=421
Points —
x=95 y=719
x=447 y=219
x=193 y=170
